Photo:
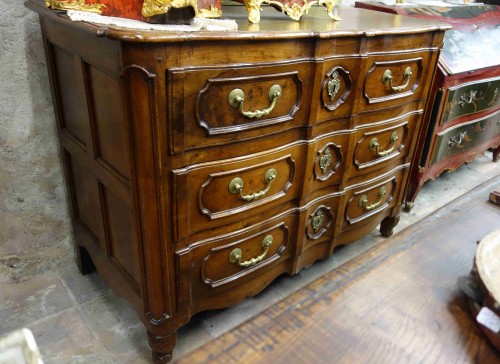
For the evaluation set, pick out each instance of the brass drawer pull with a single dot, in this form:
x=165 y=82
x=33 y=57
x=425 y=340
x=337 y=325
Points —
x=236 y=186
x=387 y=79
x=374 y=145
x=235 y=255
x=237 y=97
x=363 y=201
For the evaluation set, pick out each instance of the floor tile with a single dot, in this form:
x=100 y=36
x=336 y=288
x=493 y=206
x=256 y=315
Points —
x=65 y=338
x=32 y=300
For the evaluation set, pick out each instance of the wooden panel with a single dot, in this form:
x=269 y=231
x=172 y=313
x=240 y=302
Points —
x=72 y=109
x=83 y=187
x=109 y=134
x=121 y=235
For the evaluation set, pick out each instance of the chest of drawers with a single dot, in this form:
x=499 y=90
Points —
x=200 y=166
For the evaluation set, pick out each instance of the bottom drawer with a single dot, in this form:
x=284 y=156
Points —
x=465 y=136
x=367 y=202
x=214 y=265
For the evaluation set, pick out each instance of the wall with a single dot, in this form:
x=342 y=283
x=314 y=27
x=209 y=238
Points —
x=34 y=224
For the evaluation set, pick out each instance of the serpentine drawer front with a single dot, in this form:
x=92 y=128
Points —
x=228 y=158
x=391 y=80
x=471 y=98
x=466 y=136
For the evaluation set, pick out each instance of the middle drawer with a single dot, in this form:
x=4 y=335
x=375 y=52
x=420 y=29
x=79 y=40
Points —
x=218 y=193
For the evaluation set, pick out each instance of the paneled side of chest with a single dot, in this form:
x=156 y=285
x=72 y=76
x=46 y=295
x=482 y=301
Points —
x=199 y=171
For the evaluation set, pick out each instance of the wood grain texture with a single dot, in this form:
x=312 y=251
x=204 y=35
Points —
x=397 y=303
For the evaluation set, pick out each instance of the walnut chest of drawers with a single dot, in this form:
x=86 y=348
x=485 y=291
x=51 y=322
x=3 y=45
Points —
x=201 y=166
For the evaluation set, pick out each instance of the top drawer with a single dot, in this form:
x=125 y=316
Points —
x=394 y=79
x=471 y=98
x=218 y=105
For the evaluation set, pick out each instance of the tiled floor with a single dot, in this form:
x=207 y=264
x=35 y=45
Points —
x=77 y=319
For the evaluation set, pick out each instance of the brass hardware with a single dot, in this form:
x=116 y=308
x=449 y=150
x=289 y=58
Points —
x=236 y=186
x=374 y=145
x=158 y=7
x=421 y=169
x=236 y=254
x=469 y=98
x=74 y=5
x=237 y=97
x=325 y=160
x=457 y=139
x=294 y=11
x=212 y=13
x=333 y=86
x=387 y=79
x=363 y=201
x=317 y=220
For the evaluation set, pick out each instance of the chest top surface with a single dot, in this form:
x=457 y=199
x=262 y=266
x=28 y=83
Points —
x=273 y=25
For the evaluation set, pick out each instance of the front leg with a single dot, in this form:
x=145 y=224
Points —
x=388 y=224
x=162 y=347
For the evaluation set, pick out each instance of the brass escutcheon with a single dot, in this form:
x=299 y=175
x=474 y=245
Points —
x=236 y=254
x=317 y=220
x=387 y=79
x=333 y=86
x=325 y=160
x=237 y=97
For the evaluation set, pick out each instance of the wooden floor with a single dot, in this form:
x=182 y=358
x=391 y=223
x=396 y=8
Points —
x=397 y=303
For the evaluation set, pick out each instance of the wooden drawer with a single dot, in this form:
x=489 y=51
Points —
x=218 y=105
x=327 y=161
x=379 y=145
x=320 y=218
x=365 y=200
x=393 y=79
x=215 y=265
x=471 y=98
x=463 y=137
x=221 y=192
x=338 y=88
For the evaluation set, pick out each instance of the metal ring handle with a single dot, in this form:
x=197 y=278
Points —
x=236 y=254
x=374 y=145
x=363 y=201
x=237 y=97
x=387 y=79
x=236 y=186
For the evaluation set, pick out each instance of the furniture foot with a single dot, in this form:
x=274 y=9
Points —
x=496 y=154
x=83 y=261
x=387 y=225
x=162 y=347
x=408 y=206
